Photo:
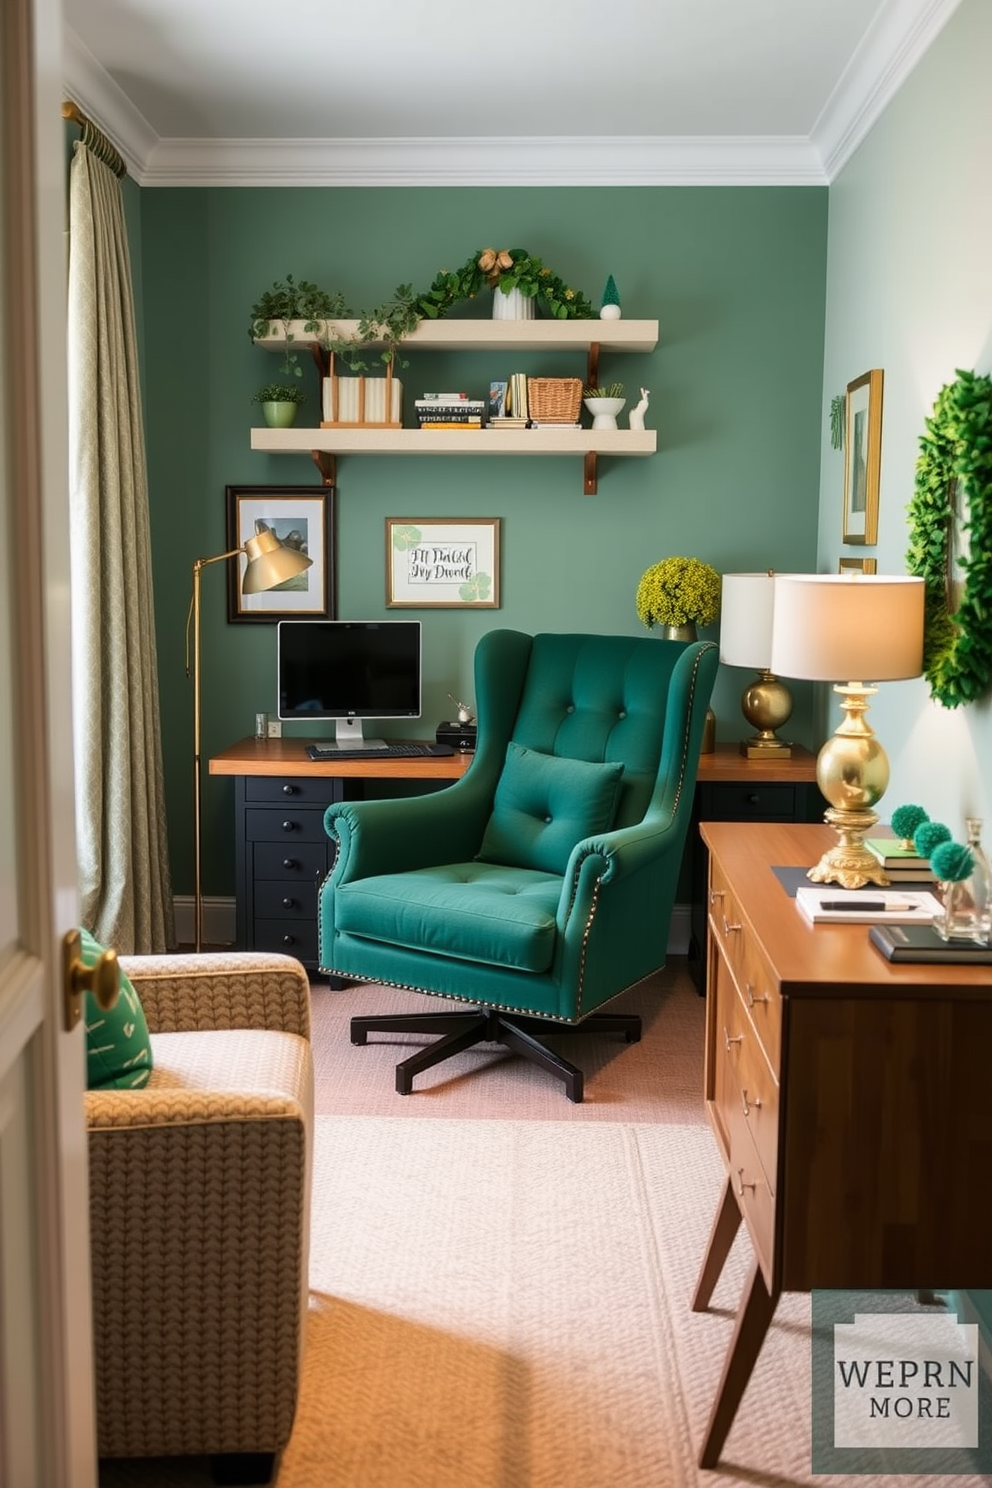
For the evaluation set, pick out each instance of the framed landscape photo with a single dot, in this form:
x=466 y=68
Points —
x=301 y=517
x=858 y=565
x=862 y=457
x=442 y=562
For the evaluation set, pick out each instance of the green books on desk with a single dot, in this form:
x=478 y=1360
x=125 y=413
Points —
x=922 y=943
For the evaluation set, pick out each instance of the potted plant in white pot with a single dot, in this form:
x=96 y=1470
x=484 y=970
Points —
x=280 y=402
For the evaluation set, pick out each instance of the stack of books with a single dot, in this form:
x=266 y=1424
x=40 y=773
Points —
x=901 y=864
x=449 y=411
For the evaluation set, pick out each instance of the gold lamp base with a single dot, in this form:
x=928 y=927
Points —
x=767 y=705
x=852 y=771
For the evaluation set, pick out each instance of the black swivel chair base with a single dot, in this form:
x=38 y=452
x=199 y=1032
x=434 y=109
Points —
x=486 y=1026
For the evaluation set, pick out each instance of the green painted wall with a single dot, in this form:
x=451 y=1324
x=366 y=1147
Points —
x=736 y=278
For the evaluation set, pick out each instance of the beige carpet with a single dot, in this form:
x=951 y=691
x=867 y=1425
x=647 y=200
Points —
x=503 y=1303
x=659 y=1079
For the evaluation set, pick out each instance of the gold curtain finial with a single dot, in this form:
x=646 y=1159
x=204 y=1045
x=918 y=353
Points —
x=94 y=139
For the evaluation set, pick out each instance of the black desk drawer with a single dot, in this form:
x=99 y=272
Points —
x=294 y=937
x=311 y=790
x=286 y=901
x=287 y=824
x=733 y=801
x=290 y=860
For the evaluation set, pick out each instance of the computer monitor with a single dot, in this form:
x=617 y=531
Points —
x=348 y=672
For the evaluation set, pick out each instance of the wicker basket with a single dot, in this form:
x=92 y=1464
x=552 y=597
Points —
x=554 y=400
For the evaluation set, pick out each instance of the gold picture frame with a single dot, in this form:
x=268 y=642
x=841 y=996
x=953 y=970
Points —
x=857 y=565
x=862 y=457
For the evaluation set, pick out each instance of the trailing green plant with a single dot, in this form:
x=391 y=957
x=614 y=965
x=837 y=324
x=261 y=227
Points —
x=955 y=460
x=615 y=390
x=677 y=591
x=386 y=325
x=278 y=392
x=288 y=300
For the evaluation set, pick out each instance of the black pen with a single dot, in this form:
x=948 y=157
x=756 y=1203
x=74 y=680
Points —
x=876 y=906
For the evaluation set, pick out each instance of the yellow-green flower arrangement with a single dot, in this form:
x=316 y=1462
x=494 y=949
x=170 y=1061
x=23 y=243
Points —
x=677 y=591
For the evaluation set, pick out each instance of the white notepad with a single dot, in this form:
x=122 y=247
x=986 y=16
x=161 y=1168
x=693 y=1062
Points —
x=866 y=906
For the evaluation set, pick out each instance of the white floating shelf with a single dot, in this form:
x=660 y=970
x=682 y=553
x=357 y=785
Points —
x=494 y=335
x=546 y=441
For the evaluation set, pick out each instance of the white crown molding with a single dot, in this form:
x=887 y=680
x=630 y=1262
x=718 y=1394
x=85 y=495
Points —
x=892 y=47
x=895 y=42
x=89 y=84
x=624 y=161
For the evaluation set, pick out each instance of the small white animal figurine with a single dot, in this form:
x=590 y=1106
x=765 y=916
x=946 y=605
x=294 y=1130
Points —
x=637 y=413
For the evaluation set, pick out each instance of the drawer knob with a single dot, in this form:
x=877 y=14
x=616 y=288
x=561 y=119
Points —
x=751 y=999
x=716 y=894
x=289 y=904
x=289 y=826
x=741 y=1185
x=290 y=863
x=754 y=1105
x=727 y=928
x=289 y=790
x=289 y=940
x=753 y=799
x=737 y=1039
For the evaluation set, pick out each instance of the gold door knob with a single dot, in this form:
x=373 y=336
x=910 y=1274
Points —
x=102 y=979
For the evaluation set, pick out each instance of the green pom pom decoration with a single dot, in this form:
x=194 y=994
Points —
x=928 y=835
x=906 y=819
x=951 y=862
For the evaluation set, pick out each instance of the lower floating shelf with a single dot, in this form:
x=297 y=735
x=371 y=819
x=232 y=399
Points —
x=546 y=441
x=324 y=445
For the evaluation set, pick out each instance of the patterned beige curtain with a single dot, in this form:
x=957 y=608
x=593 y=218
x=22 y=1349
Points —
x=122 y=843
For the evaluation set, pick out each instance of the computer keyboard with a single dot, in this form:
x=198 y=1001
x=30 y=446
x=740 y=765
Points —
x=389 y=751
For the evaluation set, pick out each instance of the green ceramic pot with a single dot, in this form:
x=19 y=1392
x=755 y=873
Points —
x=279 y=415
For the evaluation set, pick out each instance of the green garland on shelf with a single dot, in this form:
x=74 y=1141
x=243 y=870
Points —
x=504 y=269
x=956 y=450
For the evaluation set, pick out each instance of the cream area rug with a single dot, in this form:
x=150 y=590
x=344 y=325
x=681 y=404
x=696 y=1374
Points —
x=504 y=1304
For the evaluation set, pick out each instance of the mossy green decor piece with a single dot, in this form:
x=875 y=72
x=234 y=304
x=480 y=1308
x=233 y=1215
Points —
x=954 y=485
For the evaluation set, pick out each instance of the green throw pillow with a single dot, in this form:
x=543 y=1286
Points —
x=544 y=805
x=118 y=1048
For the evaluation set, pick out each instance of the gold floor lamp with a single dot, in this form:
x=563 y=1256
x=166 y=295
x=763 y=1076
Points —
x=270 y=563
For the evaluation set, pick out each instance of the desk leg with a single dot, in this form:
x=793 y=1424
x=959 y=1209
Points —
x=753 y=1318
x=726 y=1223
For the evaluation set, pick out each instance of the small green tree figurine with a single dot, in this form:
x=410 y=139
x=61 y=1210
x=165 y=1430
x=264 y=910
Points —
x=610 y=309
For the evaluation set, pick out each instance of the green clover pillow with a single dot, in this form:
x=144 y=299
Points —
x=544 y=805
x=118 y=1047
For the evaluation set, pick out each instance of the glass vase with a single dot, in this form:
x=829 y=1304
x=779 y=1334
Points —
x=967 y=902
x=981 y=878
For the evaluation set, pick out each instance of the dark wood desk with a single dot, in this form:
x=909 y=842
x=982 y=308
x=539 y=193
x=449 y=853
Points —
x=848 y=1096
x=283 y=852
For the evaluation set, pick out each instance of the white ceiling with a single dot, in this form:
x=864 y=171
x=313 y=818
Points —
x=545 y=92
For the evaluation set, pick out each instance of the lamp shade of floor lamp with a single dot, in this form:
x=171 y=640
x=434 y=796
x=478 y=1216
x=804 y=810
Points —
x=270 y=563
x=746 y=601
x=830 y=626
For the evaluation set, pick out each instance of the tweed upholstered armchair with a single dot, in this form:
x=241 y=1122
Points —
x=199 y=1211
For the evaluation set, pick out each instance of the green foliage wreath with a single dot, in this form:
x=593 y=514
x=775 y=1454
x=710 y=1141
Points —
x=955 y=450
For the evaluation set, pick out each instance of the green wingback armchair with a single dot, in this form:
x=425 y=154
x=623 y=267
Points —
x=540 y=885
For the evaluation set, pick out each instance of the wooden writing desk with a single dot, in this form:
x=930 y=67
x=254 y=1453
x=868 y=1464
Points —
x=849 y=1098
x=283 y=851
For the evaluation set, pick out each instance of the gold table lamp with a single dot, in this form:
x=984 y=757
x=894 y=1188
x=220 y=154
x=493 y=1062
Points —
x=269 y=563
x=827 y=626
x=746 y=640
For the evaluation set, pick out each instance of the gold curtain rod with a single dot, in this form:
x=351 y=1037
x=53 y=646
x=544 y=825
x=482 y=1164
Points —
x=95 y=139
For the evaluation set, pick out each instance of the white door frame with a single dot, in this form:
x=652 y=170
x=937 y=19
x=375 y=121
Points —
x=47 y=1434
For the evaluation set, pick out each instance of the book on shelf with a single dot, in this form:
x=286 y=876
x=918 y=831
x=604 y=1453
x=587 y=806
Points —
x=507 y=422
x=555 y=424
x=922 y=943
x=433 y=424
x=890 y=852
x=516 y=395
x=442 y=397
x=450 y=417
x=497 y=399
x=827 y=904
x=923 y=874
